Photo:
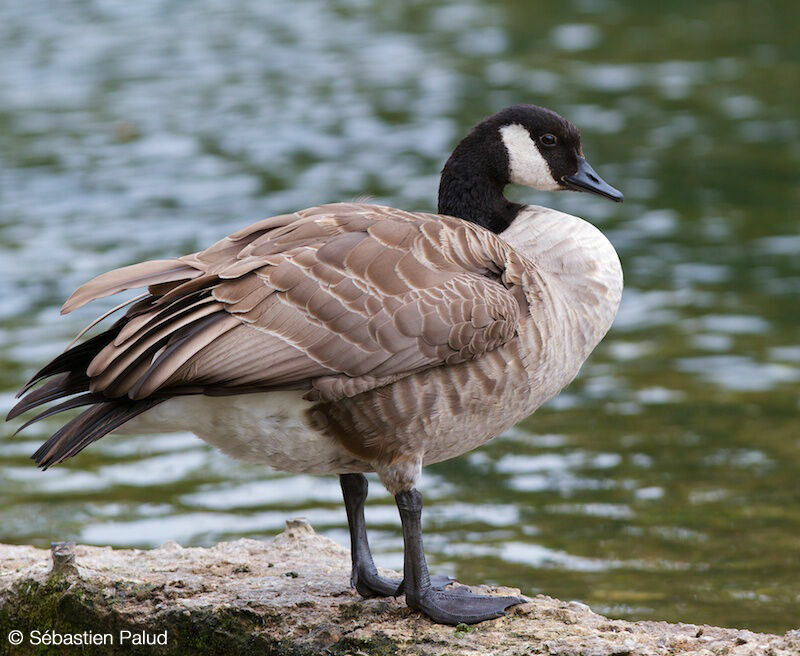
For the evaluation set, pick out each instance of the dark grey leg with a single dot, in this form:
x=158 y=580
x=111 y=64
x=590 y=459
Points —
x=365 y=578
x=455 y=606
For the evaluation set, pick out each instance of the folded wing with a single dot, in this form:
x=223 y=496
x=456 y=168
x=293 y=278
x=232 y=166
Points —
x=333 y=300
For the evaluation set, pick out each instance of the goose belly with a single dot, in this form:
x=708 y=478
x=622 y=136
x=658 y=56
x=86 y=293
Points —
x=270 y=428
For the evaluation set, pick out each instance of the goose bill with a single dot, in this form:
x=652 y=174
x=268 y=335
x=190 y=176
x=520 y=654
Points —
x=586 y=179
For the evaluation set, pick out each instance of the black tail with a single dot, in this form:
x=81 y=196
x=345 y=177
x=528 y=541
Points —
x=88 y=427
x=75 y=359
x=69 y=370
x=65 y=384
x=68 y=378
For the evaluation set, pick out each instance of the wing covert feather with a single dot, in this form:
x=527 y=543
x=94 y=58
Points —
x=339 y=299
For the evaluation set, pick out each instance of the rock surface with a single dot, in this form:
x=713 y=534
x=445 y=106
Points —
x=291 y=596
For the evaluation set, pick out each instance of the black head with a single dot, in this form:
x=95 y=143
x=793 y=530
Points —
x=521 y=144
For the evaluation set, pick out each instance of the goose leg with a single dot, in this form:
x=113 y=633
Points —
x=365 y=578
x=455 y=606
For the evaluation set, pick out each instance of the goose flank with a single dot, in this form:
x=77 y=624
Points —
x=352 y=338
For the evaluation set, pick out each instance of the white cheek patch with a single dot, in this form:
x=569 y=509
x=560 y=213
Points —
x=526 y=166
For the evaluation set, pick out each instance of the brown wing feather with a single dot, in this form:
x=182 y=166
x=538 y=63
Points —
x=336 y=299
x=130 y=277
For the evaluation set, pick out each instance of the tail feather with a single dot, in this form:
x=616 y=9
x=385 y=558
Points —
x=66 y=378
x=63 y=385
x=69 y=404
x=88 y=427
x=75 y=359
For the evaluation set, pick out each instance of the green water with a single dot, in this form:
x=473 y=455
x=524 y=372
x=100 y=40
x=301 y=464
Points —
x=664 y=483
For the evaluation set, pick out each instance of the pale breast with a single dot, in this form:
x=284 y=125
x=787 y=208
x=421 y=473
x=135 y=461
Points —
x=578 y=276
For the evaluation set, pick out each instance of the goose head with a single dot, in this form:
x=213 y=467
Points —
x=522 y=144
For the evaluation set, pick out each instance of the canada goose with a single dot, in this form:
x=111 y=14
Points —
x=354 y=338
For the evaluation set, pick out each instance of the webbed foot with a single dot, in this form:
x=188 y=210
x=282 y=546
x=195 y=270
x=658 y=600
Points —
x=460 y=605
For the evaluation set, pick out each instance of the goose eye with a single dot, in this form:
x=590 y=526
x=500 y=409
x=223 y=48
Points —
x=548 y=140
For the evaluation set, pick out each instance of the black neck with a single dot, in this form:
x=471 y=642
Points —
x=470 y=189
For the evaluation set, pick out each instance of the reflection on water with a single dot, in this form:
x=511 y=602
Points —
x=661 y=484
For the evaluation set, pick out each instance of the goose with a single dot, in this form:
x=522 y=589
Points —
x=352 y=338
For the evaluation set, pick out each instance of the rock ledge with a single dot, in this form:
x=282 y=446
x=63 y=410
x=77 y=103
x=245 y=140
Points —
x=290 y=596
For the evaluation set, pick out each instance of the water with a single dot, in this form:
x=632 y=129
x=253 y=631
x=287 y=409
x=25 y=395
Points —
x=662 y=484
